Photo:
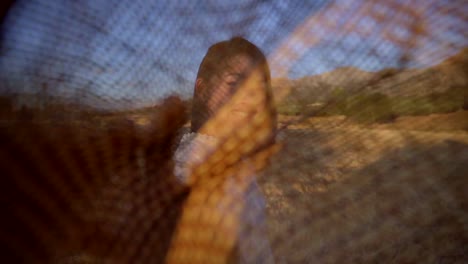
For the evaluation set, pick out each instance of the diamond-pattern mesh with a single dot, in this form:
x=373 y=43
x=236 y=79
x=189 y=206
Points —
x=368 y=163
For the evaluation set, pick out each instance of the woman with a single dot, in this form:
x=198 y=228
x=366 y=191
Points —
x=232 y=94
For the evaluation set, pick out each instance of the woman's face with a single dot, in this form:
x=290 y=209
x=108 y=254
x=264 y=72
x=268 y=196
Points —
x=240 y=91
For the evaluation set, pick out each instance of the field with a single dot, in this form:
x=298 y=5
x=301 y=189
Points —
x=346 y=192
x=342 y=192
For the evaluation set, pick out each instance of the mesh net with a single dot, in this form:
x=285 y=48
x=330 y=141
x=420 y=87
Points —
x=367 y=163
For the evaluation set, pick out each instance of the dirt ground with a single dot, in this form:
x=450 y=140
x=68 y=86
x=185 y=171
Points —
x=339 y=192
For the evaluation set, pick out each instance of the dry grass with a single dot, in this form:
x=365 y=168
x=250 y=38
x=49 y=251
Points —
x=340 y=192
x=453 y=122
x=343 y=193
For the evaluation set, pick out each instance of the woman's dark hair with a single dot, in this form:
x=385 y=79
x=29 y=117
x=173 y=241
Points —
x=215 y=61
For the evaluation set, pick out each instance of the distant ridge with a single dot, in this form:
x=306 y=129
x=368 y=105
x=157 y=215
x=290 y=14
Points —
x=392 y=82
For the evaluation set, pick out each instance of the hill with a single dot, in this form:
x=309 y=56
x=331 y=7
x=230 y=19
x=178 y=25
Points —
x=379 y=96
x=391 y=82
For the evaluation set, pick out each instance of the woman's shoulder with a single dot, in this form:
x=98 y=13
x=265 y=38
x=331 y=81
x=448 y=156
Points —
x=192 y=149
x=193 y=143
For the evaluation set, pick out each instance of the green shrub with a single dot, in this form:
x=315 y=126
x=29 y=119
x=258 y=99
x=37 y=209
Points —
x=337 y=103
x=445 y=102
x=290 y=109
x=370 y=108
x=379 y=108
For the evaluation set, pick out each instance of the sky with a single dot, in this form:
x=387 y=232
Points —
x=138 y=51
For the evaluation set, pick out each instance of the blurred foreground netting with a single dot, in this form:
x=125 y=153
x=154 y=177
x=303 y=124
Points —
x=371 y=153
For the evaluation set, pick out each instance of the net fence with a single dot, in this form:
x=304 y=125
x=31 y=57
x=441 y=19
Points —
x=360 y=155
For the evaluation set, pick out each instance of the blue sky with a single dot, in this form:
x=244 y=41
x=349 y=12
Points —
x=139 y=51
